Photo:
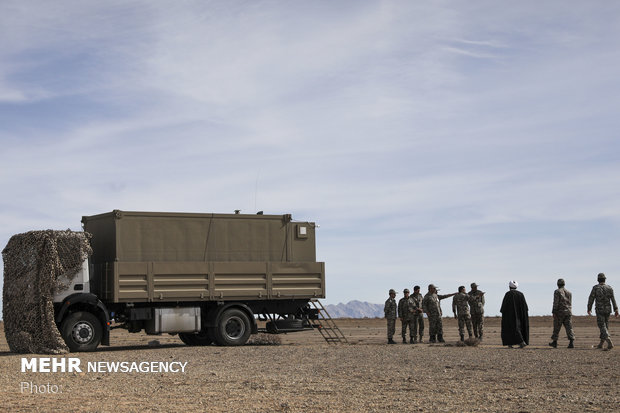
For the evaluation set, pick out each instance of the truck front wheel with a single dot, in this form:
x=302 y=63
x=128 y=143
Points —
x=82 y=331
x=233 y=328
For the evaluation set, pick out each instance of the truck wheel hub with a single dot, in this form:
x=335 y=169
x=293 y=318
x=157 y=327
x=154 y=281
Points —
x=82 y=332
x=235 y=327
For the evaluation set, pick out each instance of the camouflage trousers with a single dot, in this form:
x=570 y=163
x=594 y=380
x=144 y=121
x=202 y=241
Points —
x=391 y=327
x=435 y=325
x=565 y=320
x=464 y=319
x=477 y=321
x=602 y=321
x=418 y=325
x=407 y=322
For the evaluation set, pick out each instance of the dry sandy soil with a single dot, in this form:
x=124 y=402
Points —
x=306 y=374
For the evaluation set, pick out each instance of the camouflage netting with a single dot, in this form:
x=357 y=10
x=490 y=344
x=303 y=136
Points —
x=33 y=263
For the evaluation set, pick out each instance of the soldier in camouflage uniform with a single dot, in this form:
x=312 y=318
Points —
x=406 y=313
x=460 y=308
x=432 y=308
x=390 y=314
x=476 y=306
x=418 y=316
x=562 y=314
x=603 y=294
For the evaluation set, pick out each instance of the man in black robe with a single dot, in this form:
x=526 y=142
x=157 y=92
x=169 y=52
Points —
x=515 y=323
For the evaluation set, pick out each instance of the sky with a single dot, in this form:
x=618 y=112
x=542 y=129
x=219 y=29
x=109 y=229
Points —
x=441 y=142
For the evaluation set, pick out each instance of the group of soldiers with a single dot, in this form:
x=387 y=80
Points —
x=468 y=308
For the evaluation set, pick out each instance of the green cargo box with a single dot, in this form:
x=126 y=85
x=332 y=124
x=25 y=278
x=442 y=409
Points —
x=174 y=257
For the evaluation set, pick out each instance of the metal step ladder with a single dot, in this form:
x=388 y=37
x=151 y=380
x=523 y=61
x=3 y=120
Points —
x=326 y=324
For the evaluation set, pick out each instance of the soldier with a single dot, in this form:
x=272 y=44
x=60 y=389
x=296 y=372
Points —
x=418 y=316
x=405 y=313
x=460 y=308
x=390 y=314
x=603 y=294
x=562 y=314
x=432 y=308
x=476 y=306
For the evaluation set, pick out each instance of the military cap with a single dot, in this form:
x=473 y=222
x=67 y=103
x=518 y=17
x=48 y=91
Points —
x=430 y=286
x=474 y=285
x=417 y=287
x=561 y=282
x=406 y=290
x=601 y=277
x=392 y=291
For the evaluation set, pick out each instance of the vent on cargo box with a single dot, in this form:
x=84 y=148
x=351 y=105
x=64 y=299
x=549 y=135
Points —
x=302 y=231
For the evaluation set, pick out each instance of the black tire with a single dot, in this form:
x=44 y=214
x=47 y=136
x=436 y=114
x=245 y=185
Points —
x=187 y=338
x=233 y=328
x=196 y=339
x=284 y=324
x=82 y=331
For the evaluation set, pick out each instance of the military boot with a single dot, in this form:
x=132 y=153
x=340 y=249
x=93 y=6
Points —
x=432 y=339
x=610 y=345
x=411 y=340
x=480 y=337
x=571 y=344
x=404 y=340
x=600 y=345
x=421 y=339
x=390 y=341
x=440 y=338
x=462 y=337
x=554 y=343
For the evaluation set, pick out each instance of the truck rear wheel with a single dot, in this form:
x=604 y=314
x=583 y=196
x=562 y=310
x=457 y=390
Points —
x=82 y=331
x=233 y=328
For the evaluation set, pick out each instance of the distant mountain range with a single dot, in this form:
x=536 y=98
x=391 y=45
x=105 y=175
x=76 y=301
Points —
x=355 y=309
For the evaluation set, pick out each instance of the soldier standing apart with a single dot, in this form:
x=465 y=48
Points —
x=476 y=306
x=432 y=308
x=460 y=308
x=418 y=315
x=562 y=314
x=603 y=294
x=390 y=315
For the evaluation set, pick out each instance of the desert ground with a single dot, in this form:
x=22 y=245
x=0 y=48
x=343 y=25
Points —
x=305 y=374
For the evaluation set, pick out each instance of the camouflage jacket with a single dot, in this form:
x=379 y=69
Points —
x=476 y=302
x=390 y=309
x=603 y=294
x=405 y=308
x=562 y=301
x=460 y=304
x=431 y=305
x=416 y=300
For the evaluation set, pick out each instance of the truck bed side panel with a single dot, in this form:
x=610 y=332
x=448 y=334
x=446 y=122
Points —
x=200 y=281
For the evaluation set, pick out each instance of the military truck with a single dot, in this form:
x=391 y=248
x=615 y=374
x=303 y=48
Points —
x=205 y=277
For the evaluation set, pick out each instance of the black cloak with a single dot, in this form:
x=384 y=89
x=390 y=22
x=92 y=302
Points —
x=515 y=324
